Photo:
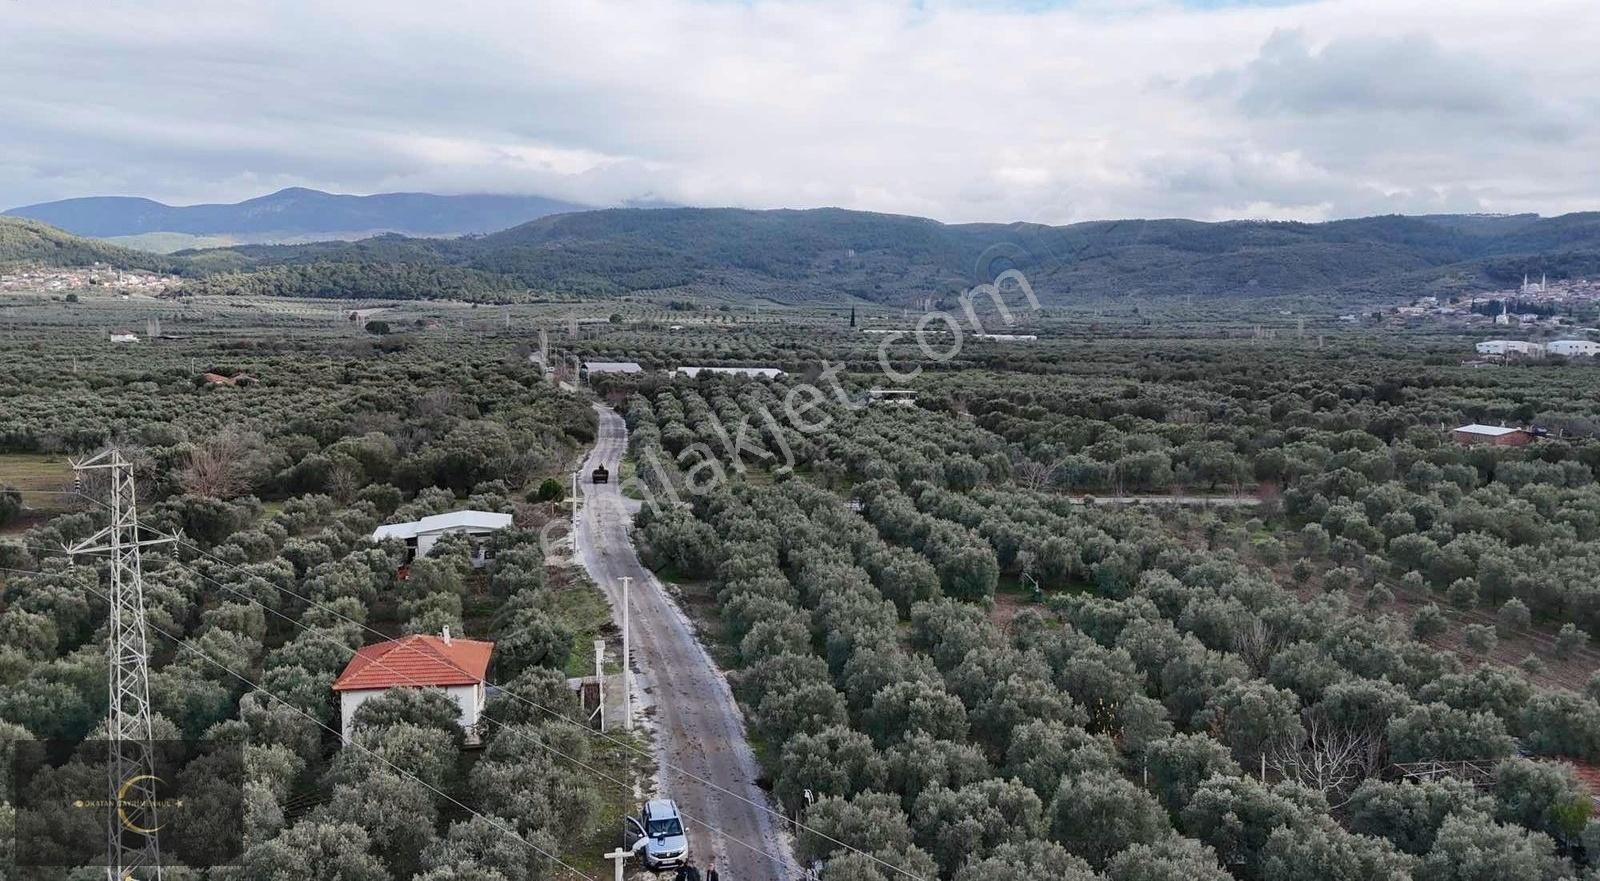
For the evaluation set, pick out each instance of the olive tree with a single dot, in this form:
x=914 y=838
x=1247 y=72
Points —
x=1027 y=861
x=1179 y=764
x=1171 y=859
x=1098 y=815
x=1471 y=847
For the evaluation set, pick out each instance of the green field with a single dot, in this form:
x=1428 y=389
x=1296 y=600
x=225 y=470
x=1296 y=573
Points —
x=41 y=477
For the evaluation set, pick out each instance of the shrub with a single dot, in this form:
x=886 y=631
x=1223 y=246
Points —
x=550 y=490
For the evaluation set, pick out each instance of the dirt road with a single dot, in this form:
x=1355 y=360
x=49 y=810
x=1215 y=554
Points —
x=700 y=730
x=1185 y=501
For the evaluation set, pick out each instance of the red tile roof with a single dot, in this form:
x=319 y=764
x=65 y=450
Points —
x=418 y=660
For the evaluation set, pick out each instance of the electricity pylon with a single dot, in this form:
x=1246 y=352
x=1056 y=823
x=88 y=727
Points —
x=132 y=853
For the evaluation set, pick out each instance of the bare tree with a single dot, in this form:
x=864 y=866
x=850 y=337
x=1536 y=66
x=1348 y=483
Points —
x=1256 y=642
x=1029 y=474
x=219 y=466
x=1329 y=758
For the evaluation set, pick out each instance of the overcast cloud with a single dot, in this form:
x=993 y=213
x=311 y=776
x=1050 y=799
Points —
x=959 y=111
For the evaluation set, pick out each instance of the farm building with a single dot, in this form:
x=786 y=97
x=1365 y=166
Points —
x=750 y=372
x=590 y=368
x=1498 y=435
x=457 y=666
x=1508 y=347
x=1573 y=348
x=421 y=535
x=123 y=336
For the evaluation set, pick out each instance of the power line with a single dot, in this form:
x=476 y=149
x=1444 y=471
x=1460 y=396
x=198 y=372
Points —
x=1560 y=679
x=132 y=848
x=620 y=743
x=256 y=688
x=1477 y=616
x=378 y=662
x=623 y=744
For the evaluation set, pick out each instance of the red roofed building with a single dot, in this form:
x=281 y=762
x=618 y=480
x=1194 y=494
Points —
x=459 y=666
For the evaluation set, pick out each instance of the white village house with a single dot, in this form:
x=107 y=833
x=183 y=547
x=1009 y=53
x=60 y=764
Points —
x=421 y=535
x=459 y=667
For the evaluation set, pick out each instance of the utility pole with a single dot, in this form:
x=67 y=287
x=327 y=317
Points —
x=574 y=508
x=132 y=851
x=600 y=679
x=627 y=659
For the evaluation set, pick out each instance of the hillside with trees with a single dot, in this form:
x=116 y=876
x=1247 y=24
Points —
x=829 y=254
x=832 y=255
x=31 y=243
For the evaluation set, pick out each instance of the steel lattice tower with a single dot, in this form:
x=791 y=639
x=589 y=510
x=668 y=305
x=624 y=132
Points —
x=131 y=847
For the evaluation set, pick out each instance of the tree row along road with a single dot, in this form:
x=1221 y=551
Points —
x=700 y=728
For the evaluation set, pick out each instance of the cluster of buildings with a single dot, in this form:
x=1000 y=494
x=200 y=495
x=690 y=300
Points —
x=1532 y=303
x=41 y=279
x=1530 y=349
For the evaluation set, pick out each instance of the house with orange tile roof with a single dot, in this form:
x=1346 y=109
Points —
x=459 y=667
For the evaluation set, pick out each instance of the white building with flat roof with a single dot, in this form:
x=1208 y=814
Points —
x=751 y=372
x=592 y=367
x=420 y=536
x=1508 y=347
x=1573 y=348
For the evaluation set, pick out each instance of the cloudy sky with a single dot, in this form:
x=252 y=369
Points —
x=976 y=110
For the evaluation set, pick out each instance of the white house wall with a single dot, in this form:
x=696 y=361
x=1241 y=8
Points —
x=469 y=698
x=426 y=540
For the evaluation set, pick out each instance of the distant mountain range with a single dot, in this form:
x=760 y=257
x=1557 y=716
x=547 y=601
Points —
x=833 y=255
x=291 y=215
x=830 y=254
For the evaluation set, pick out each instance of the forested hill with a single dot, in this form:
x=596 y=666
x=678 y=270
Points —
x=828 y=254
x=296 y=213
x=28 y=242
x=832 y=254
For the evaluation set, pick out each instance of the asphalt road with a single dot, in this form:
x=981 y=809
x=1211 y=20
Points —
x=699 y=728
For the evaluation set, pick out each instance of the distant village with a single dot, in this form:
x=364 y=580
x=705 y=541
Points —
x=100 y=277
x=1542 y=312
